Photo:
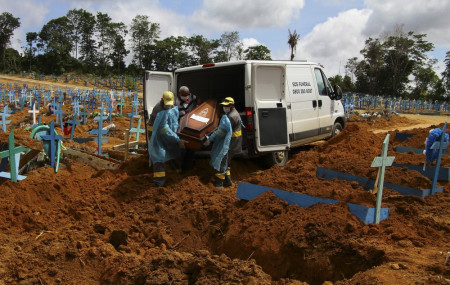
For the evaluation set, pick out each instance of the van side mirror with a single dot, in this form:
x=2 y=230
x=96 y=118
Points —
x=337 y=94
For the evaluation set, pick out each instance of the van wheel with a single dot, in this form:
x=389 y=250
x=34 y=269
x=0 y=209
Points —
x=337 y=128
x=279 y=158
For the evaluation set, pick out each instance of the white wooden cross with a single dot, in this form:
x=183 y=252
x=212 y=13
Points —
x=34 y=112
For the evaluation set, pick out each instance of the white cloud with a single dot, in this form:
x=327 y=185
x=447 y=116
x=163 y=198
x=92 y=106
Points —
x=429 y=17
x=171 y=23
x=249 y=42
x=31 y=14
x=222 y=15
x=332 y=43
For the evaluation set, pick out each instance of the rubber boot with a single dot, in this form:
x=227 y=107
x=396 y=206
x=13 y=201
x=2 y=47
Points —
x=218 y=183
x=227 y=182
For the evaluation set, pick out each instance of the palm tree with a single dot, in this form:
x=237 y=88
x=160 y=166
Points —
x=292 y=41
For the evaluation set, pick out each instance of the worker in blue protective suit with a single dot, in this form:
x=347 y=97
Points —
x=227 y=141
x=435 y=135
x=164 y=142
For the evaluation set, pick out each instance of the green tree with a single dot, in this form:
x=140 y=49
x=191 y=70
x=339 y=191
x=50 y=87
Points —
x=389 y=63
x=88 y=46
x=75 y=18
x=370 y=68
x=229 y=42
x=31 y=37
x=118 y=47
x=404 y=53
x=446 y=73
x=143 y=34
x=260 y=52
x=104 y=30
x=168 y=54
x=293 y=41
x=55 y=40
x=351 y=67
x=203 y=50
x=428 y=85
x=8 y=23
x=336 y=80
x=347 y=84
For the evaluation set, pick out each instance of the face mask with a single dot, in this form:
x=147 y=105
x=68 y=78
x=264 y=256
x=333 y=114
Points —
x=167 y=107
x=184 y=98
x=226 y=109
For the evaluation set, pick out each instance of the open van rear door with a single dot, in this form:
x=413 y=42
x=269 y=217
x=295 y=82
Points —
x=155 y=83
x=270 y=107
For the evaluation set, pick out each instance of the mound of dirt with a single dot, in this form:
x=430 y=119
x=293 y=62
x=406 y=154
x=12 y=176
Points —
x=87 y=226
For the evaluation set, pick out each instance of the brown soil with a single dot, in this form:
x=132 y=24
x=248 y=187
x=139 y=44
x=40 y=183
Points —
x=87 y=226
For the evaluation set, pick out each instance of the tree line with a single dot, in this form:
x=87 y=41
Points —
x=87 y=43
x=394 y=64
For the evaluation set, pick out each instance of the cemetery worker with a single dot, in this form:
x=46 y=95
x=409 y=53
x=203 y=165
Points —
x=185 y=102
x=151 y=119
x=164 y=143
x=235 y=145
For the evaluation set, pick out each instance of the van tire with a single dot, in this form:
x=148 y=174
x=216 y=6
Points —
x=337 y=128
x=279 y=158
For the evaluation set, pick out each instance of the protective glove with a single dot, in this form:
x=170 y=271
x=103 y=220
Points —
x=207 y=142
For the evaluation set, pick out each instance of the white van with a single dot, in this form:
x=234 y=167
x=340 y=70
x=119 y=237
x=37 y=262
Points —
x=283 y=104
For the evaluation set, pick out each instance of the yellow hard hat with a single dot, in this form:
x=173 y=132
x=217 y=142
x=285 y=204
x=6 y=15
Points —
x=167 y=98
x=227 y=101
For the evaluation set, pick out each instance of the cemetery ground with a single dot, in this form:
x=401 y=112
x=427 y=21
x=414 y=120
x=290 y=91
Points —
x=87 y=225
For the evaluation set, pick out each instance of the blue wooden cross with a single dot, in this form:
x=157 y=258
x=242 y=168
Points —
x=138 y=130
x=441 y=146
x=74 y=122
x=99 y=132
x=110 y=108
x=121 y=104
x=51 y=139
x=11 y=96
x=13 y=153
x=58 y=111
x=22 y=102
x=381 y=162
x=84 y=116
x=76 y=106
x=92 y=104
x=5 y=114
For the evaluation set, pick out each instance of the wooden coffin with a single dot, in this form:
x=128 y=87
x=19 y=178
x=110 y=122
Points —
x=199 y=123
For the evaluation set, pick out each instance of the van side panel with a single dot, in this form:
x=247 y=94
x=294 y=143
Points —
x=302 y=99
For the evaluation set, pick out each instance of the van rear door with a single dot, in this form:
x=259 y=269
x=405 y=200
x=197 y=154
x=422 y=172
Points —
x=270 y=107
x=155 y=83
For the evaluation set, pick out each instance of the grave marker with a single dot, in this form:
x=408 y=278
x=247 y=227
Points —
x=13 y=153
x=54 y=150
x=440 y=146
x=33 y=113
x=5 y=114
x=381 y=162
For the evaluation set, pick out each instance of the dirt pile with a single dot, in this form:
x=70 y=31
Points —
x=87 y=226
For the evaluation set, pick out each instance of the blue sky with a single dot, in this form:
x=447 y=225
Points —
x=331 y=31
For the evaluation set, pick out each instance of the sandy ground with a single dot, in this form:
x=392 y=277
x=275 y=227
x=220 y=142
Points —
x=95 y=226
